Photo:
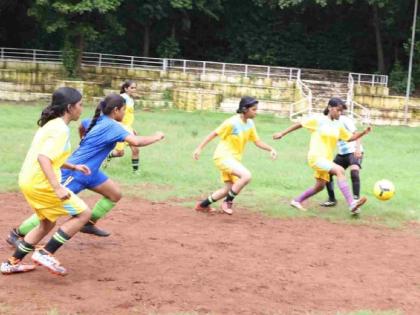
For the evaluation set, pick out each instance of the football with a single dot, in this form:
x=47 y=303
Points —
x=384 y=189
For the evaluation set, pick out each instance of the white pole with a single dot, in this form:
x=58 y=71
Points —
x=410 y=64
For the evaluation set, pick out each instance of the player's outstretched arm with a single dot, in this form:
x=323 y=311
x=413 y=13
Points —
x=358 y=135
x=197 y=151
x=142 y=141
x=281 y=134
x=266 y=147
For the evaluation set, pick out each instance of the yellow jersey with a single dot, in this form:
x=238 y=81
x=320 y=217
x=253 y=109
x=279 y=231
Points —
x=234 y=134
x=325 y=134
x=129 y=110
x=53 y=141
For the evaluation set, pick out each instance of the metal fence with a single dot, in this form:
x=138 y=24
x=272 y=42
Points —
x=366 y=78
x=134 y=62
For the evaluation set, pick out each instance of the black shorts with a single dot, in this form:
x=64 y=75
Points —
x=347 y=160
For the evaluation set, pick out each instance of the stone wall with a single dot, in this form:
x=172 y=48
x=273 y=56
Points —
x=28 y=81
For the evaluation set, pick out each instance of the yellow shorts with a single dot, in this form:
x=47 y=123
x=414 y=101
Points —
x=226 y=167
x=48 y=206
x=321 y=166
x=120 y=146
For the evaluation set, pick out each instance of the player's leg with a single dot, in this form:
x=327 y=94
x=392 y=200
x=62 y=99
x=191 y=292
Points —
x=111 y=195
x=321 y=167
x=355 y=167
x=135 y=158
x=80 y=215
x=354 y=205
x=241 y=177
x=204 y=205
x=25 y=246
x=341 y=160
x=319 y=185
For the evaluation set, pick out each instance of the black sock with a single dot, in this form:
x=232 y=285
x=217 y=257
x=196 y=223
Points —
x=330 y=190
x=355 y=182
x=207 y=202
x=135 y=163
x=22 y=250
x=56 y=241
x=231 y=195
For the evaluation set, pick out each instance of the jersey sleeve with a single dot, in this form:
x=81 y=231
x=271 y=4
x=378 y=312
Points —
x=310 y=122
x=55 y=143
x=224 y=130
x=344 y=134
x=349 y=125
x=118 y=133
x=254 y=134
x=85 y=123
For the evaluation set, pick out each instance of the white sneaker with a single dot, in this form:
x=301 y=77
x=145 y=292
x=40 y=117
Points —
x=297 y=205
x=7 y=268
x=356 y=204
x=49 y=262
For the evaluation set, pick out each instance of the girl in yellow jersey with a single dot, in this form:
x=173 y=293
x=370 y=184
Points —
x=234 y=133
x=128 y=89
x=39 y=180
x=326 y=130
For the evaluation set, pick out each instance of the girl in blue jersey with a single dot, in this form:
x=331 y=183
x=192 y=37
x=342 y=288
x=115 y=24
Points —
x=99 y=138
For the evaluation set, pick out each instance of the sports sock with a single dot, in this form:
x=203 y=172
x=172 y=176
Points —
x=56 y=241
x=21 y=251
x=207 y=202
x=306 y=194
x=355 y=182
x=135 y=163
x=330 y=189
x=101 y=208
x=28 y=225
x=231 y=195
x=344 y=187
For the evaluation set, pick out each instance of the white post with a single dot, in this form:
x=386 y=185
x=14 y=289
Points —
x=34 y=55
x=132 y=62
x=268 y=72
x=410 y=64
x=223 y=68
x=164 y=64
x=184 y=64
x=246 y=71
x=2 y=53
x=100 y=60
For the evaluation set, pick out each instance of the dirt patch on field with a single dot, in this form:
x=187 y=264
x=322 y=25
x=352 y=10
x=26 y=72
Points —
x=165 y=259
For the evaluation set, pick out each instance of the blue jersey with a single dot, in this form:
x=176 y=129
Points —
x=98 y=143
x=85 y=123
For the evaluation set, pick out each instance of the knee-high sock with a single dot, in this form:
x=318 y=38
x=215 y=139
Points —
x=28 y=225
x=306 y=194
x=355 y=181
x=102 y=207
x=344 y=187
x=330 y=189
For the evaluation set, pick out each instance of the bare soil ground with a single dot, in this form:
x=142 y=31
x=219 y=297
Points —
x=164 y=259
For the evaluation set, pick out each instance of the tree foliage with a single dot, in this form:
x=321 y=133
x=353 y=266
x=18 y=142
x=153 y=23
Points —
x=357 y=35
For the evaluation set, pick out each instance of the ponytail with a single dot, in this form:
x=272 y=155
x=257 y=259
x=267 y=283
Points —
x=105 y=107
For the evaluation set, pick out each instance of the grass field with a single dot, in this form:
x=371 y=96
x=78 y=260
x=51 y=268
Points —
x=169 y=172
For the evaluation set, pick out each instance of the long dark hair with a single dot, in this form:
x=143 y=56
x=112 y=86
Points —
x=125 y=85
x=61 y=100
x=105 y=107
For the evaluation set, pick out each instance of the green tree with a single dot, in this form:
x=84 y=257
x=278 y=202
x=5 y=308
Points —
x=78 y=21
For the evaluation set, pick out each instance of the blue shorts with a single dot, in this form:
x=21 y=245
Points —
x=77 y=181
